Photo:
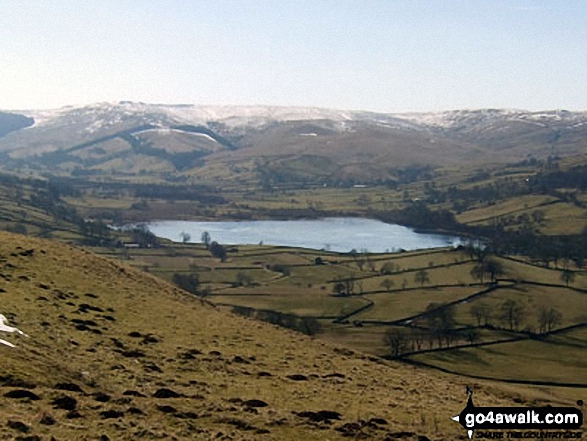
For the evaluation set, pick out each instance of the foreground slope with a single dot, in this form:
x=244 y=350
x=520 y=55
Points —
x=152 y=362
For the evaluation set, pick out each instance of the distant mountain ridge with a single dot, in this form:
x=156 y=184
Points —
x=254 y=115
x=128 y=137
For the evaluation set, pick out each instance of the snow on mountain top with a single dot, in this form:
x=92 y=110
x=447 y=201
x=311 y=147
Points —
x=453 y=118
x=255 y=114
x=185 y=114
x=100 y=114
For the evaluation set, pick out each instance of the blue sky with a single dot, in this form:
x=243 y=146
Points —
x=394 y=55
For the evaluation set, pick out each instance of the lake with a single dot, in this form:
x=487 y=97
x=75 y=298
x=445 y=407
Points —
x=332 y=234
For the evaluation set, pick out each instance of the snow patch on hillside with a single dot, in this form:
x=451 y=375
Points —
x=169 y=131
x=5 y=328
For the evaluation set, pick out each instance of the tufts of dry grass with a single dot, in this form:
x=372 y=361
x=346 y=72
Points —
x=128 y=340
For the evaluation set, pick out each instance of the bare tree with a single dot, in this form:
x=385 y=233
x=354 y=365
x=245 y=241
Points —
x=512 y=313
x=418 y=338
x=478 y=272
x=440 y=318
x=548 y=319
x=185 y=237
x=387 y=284
x=338 y=289
x=369 y=262
x=396 y=340
x=360 y=263
x=206 y=239
x=472 y=335
x=421 y=277
x=361 y=287
x=387 y=268
x=481 y=312
x=567 y=276
x=243 y=279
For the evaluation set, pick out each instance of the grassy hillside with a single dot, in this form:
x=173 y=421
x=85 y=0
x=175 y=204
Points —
x=116 y=353
x=280 y=145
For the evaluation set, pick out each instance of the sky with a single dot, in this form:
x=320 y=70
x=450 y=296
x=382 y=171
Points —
x=379 y=55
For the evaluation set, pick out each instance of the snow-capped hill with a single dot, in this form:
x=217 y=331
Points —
x=452 y=118
x=104 y=114
x=254 y=115
x=99 y=115
x=130 y=137
x=483 y=117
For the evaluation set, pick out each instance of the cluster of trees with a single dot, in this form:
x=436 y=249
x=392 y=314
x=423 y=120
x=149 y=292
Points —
x=575 y=178
x=513 y=315
x=306 y=325
x=217 y=251
x=389 y=268
x=189 y=282
x=544 y=182
x=462 y=198
x=548 y=319
x=95 y=232
x=401 y=341
x=362 y=259
x=547 y=181
x=344 y=287
x=46 y=195
x=280 y=268
x=141 y=235
x=418 y=215
x=347 y=286
x=420 y=277
x=440 y=320
x=243 y=279
x=487 y=267
x=437 y=328
x=556 y=251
